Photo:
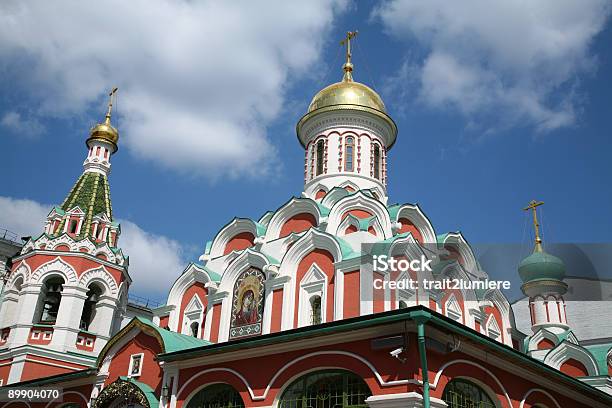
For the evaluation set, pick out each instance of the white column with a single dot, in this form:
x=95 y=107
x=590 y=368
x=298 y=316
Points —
x=402 y=400
x=68 y=320
x=102 y=324
x=26 y=310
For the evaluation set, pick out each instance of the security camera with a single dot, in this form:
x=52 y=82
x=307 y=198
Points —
x=395 y=353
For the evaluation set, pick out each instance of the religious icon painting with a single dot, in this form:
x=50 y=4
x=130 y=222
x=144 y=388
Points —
x=247 y=304
x=135 y=368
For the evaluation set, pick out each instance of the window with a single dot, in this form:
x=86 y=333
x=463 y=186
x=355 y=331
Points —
x=315 y=309
x=73 y=226
x=376 y=161
x=194 y=329
x=51 y=296
x=216 y=396
x=463 y=394
x=135 y=365
x=320 y=154
x=349 y=154
x=89 y=308
x=326 y=389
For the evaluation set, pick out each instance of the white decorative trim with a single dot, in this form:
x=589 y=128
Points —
x=56 y=265
x=534 y=390
x=314 y=283
x=291 y=208
x=566 y=351
x=233 y=228
x=100 y=274
x=468 y=362
x=290 y=363
x=414 y=213
x=402 y=400
x=362 y=202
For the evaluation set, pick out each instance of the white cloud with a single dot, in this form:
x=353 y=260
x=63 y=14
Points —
x=155 y=260
x=199 y=81
x=24 y=127
x=519 y=61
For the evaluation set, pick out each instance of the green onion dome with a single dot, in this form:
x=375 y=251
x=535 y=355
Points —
x=540 y=266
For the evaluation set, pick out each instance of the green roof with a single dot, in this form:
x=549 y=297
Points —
x=91 y=193
x=541 y=265
x=173 y=341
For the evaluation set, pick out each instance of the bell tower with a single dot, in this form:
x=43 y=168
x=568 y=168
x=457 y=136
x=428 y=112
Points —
x=346 y=134
x=542 y=275
x=66 y=291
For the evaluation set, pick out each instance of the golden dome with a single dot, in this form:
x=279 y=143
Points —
x=105 y=132
x=347 y=92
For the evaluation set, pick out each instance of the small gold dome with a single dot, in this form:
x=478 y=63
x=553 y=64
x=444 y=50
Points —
x=347 y=92
x=105 y=132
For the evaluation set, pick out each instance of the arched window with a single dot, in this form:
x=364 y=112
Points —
x=376 y=161
x=194 y=329
x=315 y=309
x=320 y=154
x=51 y=296
x=349 y=154
x=73 y=226
x=462 y=393
x=326 y=389
x=216 y=396
x=89 y=308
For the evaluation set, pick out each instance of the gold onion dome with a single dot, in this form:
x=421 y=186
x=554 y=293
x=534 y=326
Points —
x=105 y=132
x=347 y=92
x=348 y=95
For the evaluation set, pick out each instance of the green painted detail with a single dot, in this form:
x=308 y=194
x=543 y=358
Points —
x=541 y=265
x=174 y=341
x=261 y=229
x=441 y=238
x=323 y=209
x=146 y=390
x=346 y=249
x=601 y=352
x=91 y=193
x=393 y=211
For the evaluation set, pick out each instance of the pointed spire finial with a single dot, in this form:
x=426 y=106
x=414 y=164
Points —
x=533 y=204
x=110 y=105
x=348 y=65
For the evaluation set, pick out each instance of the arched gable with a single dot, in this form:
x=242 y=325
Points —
x=296 y=209
x=102 y=276
x=23 y=271
x=416 y=219
x=566 y=351
x=359 y=201
x=246 y=259
x=193 y=274
x=456 y=243
x=242 y=230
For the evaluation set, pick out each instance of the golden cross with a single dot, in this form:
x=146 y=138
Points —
x=533 y=204
x=347 y=41
x=110 y=104
x=348 y=66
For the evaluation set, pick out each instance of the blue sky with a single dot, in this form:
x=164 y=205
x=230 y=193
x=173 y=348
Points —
x=494 y=108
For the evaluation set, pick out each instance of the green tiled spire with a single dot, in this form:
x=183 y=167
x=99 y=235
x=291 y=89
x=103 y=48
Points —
x=91 y=193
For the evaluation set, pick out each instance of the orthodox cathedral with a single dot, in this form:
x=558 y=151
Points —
x=287 y=310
